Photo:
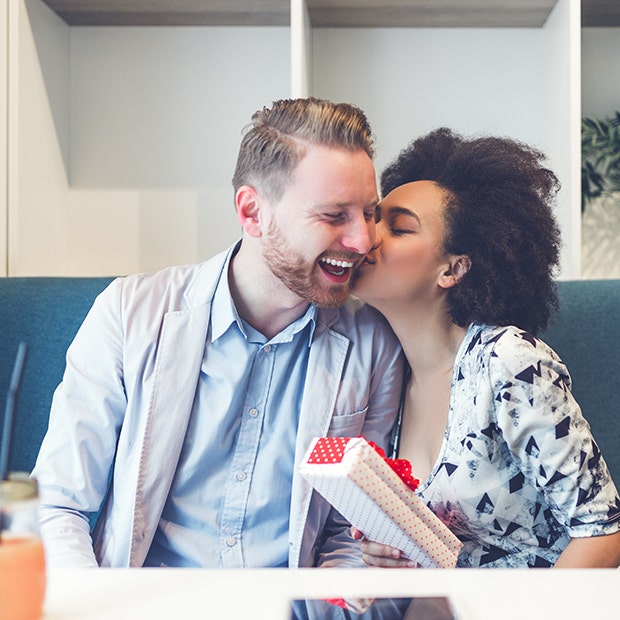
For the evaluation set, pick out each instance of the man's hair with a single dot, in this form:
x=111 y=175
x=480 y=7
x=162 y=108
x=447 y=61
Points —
x=499 y=211
x=274 y=141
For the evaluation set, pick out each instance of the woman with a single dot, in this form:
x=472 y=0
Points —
x=463 y=269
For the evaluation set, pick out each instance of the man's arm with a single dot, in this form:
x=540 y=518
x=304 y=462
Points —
x=66 y=536
x=77 y=453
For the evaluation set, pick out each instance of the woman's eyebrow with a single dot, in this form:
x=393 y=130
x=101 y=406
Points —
x=404 y=211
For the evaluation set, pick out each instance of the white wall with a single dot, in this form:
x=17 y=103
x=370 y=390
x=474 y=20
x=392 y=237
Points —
x=156 y=117
x=123 y=140
x=410 y=81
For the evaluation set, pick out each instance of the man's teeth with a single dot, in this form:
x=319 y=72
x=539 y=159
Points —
x=338 y=263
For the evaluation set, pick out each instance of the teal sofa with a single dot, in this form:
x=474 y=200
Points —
x=586 y=335
x=46 y=313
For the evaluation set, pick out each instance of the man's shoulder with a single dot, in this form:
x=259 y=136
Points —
x=193 y=283
x=168 y=276
x=356 y=318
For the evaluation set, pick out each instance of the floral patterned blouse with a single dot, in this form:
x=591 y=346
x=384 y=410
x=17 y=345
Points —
x=518 y=472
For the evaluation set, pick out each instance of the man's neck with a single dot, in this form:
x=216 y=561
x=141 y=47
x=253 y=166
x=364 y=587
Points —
x=261 y=298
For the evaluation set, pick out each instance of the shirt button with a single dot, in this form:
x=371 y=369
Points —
x=241 y=475
x=253 y=412
x=231 y=542
x=267 y=348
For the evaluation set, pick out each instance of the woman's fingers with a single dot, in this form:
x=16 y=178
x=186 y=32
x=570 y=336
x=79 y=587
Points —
x=376 y=554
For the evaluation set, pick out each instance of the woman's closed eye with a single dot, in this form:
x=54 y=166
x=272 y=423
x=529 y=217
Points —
x=400 y=220
x=403 y=225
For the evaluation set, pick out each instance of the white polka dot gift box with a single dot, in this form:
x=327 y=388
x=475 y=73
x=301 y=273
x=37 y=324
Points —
x=364 y=486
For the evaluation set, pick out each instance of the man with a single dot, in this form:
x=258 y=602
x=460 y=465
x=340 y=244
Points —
x=190 y=396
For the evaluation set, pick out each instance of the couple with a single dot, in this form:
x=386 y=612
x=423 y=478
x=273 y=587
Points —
x=191 y=395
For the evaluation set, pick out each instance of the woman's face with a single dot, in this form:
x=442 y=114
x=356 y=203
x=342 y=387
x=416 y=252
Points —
x=408 y=259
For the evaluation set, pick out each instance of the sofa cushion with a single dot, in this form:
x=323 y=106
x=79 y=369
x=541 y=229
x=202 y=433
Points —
x=586 y=335
x=45 y=313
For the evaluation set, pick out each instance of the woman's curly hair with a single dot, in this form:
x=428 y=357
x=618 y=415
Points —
x=500 y=213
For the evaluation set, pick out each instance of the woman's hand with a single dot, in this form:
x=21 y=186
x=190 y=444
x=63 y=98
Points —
x=376 y=554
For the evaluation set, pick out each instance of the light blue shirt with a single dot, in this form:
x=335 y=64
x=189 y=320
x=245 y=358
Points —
x=230 y=498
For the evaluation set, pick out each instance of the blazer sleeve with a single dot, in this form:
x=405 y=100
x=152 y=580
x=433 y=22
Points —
x=77 y=454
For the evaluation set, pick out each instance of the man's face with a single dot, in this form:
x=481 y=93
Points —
x=323 y=225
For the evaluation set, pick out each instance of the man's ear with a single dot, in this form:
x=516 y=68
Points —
x=247 y=202
x=458 y=267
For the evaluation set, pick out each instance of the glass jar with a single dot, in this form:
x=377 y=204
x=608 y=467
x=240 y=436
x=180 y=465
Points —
x=22 y=560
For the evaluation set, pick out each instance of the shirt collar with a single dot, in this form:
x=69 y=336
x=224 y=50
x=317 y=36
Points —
x=224 y=314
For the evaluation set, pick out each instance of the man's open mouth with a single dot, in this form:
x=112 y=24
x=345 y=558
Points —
x=336 y=268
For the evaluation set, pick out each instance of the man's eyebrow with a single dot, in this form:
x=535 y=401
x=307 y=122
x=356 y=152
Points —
x=346 y=205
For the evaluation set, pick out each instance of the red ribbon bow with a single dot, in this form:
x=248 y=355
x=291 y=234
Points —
x=401 y=466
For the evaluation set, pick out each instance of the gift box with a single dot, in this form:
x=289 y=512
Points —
x=375 y=495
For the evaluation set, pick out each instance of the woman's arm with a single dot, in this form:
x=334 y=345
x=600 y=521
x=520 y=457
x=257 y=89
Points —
x=591 y=552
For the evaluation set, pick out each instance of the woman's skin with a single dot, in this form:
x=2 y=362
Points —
x=407 y=277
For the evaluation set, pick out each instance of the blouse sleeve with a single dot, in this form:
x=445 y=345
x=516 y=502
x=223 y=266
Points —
x=547 y=434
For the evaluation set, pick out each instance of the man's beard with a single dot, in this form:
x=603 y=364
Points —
x=303 y=278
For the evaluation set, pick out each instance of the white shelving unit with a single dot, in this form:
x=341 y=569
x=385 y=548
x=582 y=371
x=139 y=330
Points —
x=4 y=63
x=121 y=140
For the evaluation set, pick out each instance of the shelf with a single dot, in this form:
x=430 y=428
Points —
x=328 y=13
x=429 y=13
x=173 y=12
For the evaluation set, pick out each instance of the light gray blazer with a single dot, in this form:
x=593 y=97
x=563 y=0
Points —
x=119 y=416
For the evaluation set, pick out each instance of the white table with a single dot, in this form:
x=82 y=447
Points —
x=491 y=594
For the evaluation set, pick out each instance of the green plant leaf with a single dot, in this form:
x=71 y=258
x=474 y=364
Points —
x=600 y=157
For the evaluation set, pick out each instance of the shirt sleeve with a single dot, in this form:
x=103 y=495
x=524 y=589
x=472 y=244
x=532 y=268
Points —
x=547 y=434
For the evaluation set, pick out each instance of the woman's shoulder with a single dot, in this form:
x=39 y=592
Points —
x=516 y=351
x=506 y=340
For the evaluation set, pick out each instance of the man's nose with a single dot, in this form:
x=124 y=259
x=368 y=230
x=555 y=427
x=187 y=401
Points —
x=359 y=235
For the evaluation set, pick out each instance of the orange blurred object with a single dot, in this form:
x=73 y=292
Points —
x=22 y=578
x=22 y=558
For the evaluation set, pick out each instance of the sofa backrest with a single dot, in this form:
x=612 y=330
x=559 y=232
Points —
x=45 y=313
x=586 y=335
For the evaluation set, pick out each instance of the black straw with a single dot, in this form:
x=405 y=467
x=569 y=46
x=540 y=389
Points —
x=11 y=408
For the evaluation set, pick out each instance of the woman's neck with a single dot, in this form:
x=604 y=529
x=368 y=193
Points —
x=429 y=338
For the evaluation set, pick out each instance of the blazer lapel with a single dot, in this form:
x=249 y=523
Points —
x=179 y=358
